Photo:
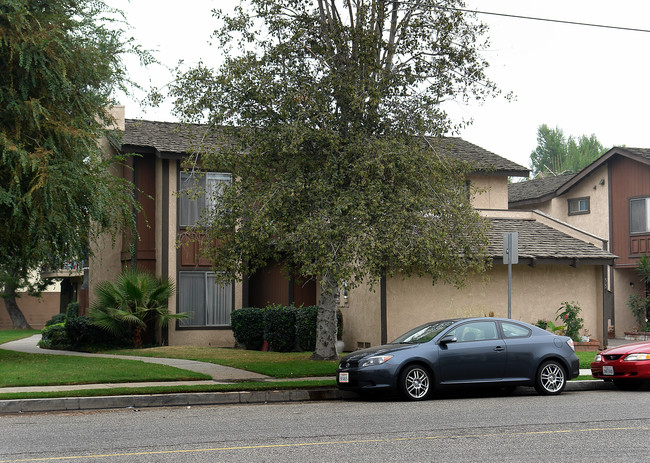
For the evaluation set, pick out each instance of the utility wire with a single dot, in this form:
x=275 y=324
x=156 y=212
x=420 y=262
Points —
x=560 y=21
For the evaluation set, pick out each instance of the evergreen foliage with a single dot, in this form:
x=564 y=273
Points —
x=326 y=108
x=135 y=302
x=60 y=62
x=556 y=154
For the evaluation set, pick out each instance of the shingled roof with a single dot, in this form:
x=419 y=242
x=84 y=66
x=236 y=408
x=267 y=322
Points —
x=485 y=160
x=173 y=140
x=537 y=189
x=539 y=243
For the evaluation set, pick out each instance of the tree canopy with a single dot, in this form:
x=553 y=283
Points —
x=556 y=153
x=329 y=110
x=60 y=64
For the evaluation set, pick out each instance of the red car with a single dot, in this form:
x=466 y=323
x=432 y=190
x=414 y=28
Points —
x=627 y=365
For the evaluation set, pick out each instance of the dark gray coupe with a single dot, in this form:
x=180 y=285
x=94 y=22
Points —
x=490 y=351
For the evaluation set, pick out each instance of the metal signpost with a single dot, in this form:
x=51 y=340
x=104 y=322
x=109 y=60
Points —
x=510 y=256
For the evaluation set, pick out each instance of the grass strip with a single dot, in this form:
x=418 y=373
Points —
x=274 y=364
x=586 y=358
x=233 y=387
x=21 y=369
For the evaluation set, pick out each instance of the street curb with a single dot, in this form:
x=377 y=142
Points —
x=164 y=400
x=206 y=398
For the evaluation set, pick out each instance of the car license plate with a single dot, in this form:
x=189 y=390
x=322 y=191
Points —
x=344 y=377
x=608 y=370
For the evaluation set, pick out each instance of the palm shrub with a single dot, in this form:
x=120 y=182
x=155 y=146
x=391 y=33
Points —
x=135 y=301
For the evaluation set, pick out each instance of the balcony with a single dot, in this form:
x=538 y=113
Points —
x=70 y=269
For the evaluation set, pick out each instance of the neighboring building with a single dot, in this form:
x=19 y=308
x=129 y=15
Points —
x=557 y=262
x=611 y=199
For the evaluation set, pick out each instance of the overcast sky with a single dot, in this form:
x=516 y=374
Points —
x=585 y=80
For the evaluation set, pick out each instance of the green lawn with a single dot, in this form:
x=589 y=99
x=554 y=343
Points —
x=20 y=369
x=14 y=335
x=586 y=358
x=274 y=364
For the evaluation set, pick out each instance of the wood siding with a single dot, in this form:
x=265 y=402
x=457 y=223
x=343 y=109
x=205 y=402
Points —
x=629 y=179
x=143 y=176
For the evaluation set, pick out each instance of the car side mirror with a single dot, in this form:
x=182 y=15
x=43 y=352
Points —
x=448 y=339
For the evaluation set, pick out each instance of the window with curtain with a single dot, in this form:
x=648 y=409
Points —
x=210 y=303
x=639 y=217
x=198 y=191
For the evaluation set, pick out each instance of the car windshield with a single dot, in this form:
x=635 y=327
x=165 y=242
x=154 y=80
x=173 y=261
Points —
x=423 y=333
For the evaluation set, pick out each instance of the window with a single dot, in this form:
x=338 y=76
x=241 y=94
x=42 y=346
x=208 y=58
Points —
x=475 y=331
x=579 y=206
x=198 y=191
x=209 y=303
x=510 y=330
x=639 y=217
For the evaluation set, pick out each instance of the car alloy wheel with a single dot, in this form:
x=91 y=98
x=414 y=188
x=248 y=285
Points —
x=415 y=382
x=551 y=378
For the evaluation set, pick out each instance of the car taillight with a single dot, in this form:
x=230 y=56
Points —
x=571 y=344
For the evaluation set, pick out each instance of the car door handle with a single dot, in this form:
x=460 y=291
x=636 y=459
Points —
x=499 y=349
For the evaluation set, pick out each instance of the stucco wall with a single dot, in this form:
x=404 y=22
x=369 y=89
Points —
x=594 y=186
x=414 y=301
x=361 y=317
x=493 y=191
x=626 y=283
x=37 y=311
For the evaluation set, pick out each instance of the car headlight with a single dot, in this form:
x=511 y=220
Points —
x=376 y=360
x=636 y=357
x=599 y=358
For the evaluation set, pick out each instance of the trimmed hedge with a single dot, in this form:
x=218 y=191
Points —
x=285 y=328
x=248 y=327
x=280 y=328
x=306 y=328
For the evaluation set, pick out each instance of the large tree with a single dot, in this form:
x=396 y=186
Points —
x=59 y=63
x=327 y=109
x=555 y=153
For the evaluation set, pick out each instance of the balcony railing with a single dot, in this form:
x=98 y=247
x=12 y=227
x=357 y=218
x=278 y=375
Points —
x=71 y=268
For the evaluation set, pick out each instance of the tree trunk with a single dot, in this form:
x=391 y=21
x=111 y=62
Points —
x=17 y=317
x=326 y=322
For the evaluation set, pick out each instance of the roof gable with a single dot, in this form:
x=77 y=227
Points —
x=530 y=192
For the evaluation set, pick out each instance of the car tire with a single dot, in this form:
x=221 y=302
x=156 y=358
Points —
x=627 y=384
x=550 y=378
x=415 y=382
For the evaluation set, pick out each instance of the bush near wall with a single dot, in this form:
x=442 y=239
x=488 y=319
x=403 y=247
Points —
x=248 y=327
x=280 y=328
x=70 y=332
x=284 y=328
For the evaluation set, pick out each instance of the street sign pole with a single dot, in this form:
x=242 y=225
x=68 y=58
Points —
x=510 y=256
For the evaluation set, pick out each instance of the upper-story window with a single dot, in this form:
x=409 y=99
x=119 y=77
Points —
x=579 y=206
x=198 y=191
x=640 y=215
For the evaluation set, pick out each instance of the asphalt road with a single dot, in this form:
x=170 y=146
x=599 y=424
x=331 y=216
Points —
x=573 y=427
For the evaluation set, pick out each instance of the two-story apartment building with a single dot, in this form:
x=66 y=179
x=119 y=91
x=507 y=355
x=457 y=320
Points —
x=557 y=262
x=609 y=198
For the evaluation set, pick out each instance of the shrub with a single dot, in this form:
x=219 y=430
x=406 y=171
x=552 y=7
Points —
x=638 y=305
x=306 y=328
x=83 y=334
x=72 y=310
x=280 y=328
x=54 y=337
x=248 y=327
x=57 y=319
x=568 y=314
